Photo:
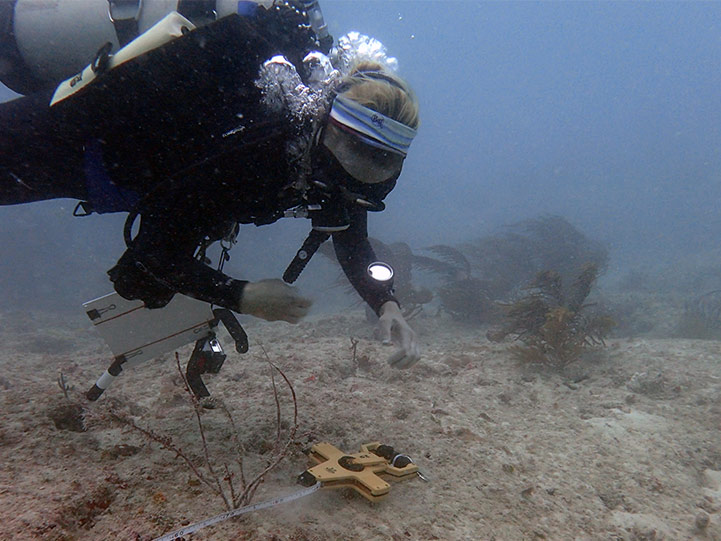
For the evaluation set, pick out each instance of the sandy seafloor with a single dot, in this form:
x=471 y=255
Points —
x=623 y=446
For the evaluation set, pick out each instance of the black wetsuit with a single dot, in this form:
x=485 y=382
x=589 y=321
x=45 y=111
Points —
x=180 y=136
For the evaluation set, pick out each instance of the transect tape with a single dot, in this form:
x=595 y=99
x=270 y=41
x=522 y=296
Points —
x=236 y=512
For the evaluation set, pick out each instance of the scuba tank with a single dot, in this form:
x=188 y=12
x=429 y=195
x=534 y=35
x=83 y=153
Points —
x=43 y=43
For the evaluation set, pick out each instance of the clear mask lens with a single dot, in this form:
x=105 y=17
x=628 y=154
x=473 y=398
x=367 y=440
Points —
x=365 y=162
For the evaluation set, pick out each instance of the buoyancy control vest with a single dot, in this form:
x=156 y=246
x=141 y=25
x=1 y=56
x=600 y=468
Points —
x=45 y=42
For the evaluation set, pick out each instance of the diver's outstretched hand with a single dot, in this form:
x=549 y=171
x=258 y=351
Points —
x=392 y=328
x=273 y=300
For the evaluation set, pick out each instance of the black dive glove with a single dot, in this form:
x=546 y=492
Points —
x=133 y=281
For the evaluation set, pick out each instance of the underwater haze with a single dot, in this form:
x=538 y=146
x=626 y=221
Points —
x=605 y=113
x=555 y=239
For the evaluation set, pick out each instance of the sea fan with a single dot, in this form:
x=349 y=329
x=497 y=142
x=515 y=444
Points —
x=701 y=317
x=452 y=256
x=552 y=326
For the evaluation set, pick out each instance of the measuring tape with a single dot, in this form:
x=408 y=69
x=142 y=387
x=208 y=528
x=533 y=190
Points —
x=177 y=534
x=335 y=469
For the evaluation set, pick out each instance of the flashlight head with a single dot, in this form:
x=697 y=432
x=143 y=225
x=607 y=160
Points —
x=380 y=272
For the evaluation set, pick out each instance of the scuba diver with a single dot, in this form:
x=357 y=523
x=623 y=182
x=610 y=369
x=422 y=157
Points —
x=245 y=119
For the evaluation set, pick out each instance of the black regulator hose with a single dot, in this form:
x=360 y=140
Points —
x=128 y=228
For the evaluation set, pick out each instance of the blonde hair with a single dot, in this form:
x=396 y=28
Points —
x=374 y=87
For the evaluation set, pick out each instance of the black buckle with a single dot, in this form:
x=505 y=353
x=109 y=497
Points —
x=102 y=57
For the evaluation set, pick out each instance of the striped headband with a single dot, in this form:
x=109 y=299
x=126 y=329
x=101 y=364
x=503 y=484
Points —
x=371 y=126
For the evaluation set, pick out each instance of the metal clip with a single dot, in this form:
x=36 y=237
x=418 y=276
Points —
x=123 y=10
x=403 y=458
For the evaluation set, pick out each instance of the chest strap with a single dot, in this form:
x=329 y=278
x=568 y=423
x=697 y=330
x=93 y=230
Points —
x=302 y=257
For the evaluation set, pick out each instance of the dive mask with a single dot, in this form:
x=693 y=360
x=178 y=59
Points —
x=370 y=146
